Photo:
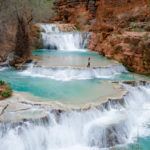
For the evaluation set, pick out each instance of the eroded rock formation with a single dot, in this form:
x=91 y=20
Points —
x=120 y=28
x=122 y=32
x=78 y=12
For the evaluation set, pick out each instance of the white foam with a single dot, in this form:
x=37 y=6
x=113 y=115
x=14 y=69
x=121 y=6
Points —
x=86 y=130
x=67 y=74
x=3 y=68
x=49 y=28
x=52 y=37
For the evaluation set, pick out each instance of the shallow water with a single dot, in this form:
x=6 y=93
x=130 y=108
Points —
x=67 y=83
x=73 y=90
x=73 y=59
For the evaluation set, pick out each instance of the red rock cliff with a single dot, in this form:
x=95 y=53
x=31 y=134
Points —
x=120 y=28
x=79 y=12
x=122 y=32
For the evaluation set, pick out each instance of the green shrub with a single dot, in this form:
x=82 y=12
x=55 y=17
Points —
x=2 y=82
x=6 y=93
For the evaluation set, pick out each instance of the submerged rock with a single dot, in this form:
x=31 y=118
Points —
x=137 y=83
x=105 y=136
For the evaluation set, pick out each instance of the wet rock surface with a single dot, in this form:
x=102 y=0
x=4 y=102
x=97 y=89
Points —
x=21 y=107
x=110 y=138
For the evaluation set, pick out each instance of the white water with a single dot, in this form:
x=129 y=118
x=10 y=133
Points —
x=50 y=28
x=67 y=74
x=3 y=68
x=87 y=130
x=53 y=38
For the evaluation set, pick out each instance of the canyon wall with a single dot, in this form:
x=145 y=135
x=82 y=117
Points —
x=120 y=28
x=122 y=32
x=78 y=12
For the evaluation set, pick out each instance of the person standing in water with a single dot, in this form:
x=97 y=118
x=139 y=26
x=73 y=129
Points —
x=89 y=64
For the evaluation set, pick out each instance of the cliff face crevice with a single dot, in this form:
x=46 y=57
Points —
x=120 y=28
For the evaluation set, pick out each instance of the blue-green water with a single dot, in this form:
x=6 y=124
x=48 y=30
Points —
x=46 y=52
x=73 y=90
x=48 y=88
x=73 y=59
x=140 y=144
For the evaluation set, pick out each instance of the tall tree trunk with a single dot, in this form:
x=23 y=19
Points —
x=22 y=49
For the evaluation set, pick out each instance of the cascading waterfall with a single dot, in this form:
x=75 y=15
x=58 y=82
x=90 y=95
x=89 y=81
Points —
x=69 y=73
x=102 y=127
x=69 y=41
x=53 y=38
x=112 y=124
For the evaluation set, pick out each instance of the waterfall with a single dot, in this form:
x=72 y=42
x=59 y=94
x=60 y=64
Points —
x=100 y=127
x=70 y=73
x=53 y=38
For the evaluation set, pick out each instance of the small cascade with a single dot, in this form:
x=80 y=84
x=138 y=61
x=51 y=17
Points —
x=54 y=38
x=70 y=73
x=49 y=28
x=92 y=129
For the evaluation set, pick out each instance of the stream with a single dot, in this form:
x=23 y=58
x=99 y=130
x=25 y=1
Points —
x=60 y=74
